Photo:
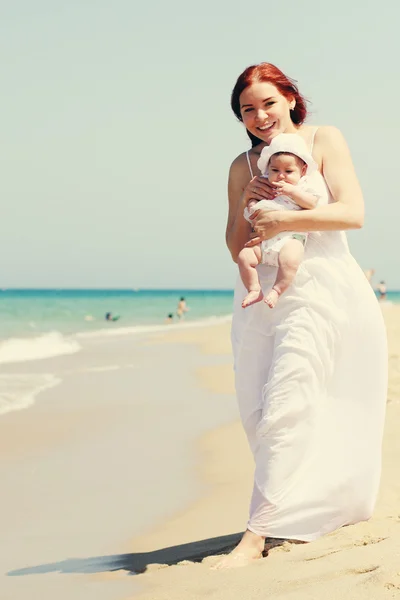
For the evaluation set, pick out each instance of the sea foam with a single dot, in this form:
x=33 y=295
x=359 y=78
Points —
x=19 y=391
x=44 y=346
x=143 y=329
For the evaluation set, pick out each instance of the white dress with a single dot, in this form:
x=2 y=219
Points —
x=311 y=382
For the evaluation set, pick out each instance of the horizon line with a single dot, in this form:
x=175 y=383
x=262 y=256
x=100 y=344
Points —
x=118 y=289
x=178 y=290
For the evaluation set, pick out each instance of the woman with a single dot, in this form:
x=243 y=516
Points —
x=311 y=375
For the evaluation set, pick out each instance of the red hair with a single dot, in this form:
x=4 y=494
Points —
x=265 y=72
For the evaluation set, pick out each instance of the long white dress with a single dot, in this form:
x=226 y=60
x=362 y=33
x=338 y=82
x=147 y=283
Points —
x=311 y=382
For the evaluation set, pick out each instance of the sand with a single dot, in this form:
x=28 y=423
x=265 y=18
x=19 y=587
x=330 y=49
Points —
x=357 y=562
x=101 y=457
x=118 y=484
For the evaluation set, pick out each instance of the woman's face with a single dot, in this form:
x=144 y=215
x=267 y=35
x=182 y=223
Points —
x=265 y=112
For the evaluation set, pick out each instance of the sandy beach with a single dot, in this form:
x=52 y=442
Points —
x=127 y=478
x=99 y=458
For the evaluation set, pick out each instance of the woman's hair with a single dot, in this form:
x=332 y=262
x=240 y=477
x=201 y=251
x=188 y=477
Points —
x=265 y=72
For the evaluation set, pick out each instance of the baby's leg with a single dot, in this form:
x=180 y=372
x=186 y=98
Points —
x=289 y=259
x=248 y=259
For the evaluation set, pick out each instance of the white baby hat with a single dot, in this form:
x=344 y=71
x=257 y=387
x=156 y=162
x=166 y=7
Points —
x=287 y=142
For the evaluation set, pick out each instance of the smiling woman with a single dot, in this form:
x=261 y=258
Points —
x=311 y=374
x=260 y=117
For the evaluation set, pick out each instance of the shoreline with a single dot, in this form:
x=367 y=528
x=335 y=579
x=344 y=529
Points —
x=33 y=313
x=84 y=466
x=46 y=345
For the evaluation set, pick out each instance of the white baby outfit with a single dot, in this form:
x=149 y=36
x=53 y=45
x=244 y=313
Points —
x=294 y=144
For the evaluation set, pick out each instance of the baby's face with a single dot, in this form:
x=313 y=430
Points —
x=285 y=167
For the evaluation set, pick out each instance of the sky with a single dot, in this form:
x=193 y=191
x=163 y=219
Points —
x=117 y=133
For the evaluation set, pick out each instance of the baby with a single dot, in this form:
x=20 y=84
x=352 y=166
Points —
x=287 y=164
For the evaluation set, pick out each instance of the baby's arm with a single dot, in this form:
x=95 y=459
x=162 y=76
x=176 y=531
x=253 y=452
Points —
x=304 y=199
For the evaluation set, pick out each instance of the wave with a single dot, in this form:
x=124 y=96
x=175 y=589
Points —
x=53 y=344
x=137 y=329
x=44 y=346
x=19 y=391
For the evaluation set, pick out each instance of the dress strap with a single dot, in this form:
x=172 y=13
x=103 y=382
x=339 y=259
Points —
x=249 y=163
x=312 y=139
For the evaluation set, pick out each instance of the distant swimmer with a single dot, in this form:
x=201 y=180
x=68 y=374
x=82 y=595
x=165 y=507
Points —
x=381 y=289
x=169 y=318
x=182 y=308
x=110 y=317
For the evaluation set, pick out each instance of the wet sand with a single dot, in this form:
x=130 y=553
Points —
x=101 y=457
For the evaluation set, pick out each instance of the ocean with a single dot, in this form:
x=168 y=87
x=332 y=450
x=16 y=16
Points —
x=42 y=324
x=45 y=323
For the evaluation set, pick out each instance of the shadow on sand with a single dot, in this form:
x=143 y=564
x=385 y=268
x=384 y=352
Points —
x=137 y=562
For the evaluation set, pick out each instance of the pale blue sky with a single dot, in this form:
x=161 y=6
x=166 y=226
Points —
x=117 y=133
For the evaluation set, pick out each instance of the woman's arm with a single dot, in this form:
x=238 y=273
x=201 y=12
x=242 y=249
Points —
x=338 y=170
x=347 y=212
x=240 y=191
x=237 y=229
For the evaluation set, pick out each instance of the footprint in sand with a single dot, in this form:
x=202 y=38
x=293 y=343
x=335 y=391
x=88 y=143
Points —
x=363 y=570
x=323 y=555
x=393 y=585
x=366 y=541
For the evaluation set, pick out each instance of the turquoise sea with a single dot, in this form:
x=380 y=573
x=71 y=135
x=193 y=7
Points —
x=38 y=323
x=29 y=312
x=43 y=323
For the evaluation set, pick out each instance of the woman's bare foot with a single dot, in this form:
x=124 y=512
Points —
x=272 y=297
x=252 y=297
x=250 y=548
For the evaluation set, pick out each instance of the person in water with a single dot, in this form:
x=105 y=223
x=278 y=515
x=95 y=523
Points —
x=110 y=317
x=182 y=308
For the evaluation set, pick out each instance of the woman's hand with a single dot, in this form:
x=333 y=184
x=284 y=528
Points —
x=266 y=224
x=258 y=188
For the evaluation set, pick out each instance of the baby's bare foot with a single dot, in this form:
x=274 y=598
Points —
x=252 y=297
x=272 y=297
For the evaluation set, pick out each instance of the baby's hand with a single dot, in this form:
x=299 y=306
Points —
x=251 y=203
x=283 y=187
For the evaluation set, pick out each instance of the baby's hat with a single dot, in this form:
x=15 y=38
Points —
x=287 y=142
